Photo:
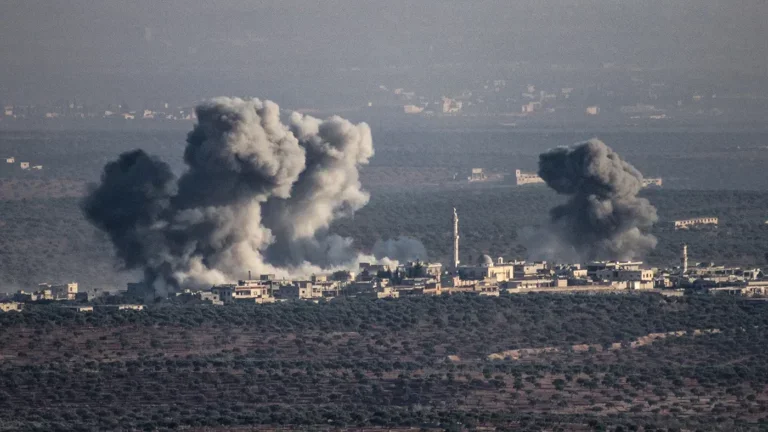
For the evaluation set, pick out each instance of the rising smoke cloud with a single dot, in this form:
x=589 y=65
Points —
x=603 y=217
x=400 y=249
x=257 y=195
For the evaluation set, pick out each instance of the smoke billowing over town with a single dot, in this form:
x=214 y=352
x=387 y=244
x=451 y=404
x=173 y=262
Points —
x=426 y=234
x=603 y=217
x=258 y=195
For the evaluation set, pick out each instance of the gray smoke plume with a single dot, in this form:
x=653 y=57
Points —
x=603 y=217
x=258 y=195
x=328 y=188
x=400 y=249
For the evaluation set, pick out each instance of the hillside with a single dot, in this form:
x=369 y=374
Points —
x=589 y=363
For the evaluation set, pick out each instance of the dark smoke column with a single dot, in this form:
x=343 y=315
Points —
x=603 y=218
x=257 y=195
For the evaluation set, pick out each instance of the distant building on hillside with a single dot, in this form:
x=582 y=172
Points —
x=652 y=181
x=522 y=178
x=245 y=291
x=80 y=308
x=412 y=109
x=11 y=307
x=451 y=106
x=47 y=291
x=477 y=175
x=119 y=307
x=687 y=223
x=633 y=278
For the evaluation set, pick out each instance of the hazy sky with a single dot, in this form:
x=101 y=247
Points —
x=105 y=49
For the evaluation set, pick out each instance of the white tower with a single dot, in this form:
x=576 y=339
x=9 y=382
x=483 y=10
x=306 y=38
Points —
x=455 y=239
x=684 y=259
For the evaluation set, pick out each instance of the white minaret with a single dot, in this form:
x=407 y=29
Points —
x=455 y=239
x=684 y=259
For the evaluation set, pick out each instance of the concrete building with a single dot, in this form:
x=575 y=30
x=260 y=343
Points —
x=596 y=266
x=480 y=288
x=11 y=306
x=67 y=291
x=752 y=289
x=298 y=290
x=245 y=291
x=382 y=292
x=368 y=270
x=634 y=278
x=430 y=285
x=451 y=106
x=80 y=308
x=522 y=178
x=477 y=175
x=421 y=269
x=412 y=109
x=531 y=283
x=592 y=288
x=708 y=274
x=571 y=272
x=366 y=287
x=192 y=296
x=47 y=291
x=653 y=181
x=531 y=107
x=317 y=287
x=578 y=274
x=209 y=297
x=639 y=109
x=687 y=223
x=525 y=269
x=119 y=307
x=500 y=271
x=486 y=269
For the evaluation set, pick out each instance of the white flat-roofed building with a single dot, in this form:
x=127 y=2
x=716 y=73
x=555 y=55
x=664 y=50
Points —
x=522 y=178
x=248 y=291
x=653 y=181
x=477 y=174
x=11 y=307
x=80 y=308
x=66 y=291
x=594 y=267
x=686 y=223
x=119 y=307
x=635 y=278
